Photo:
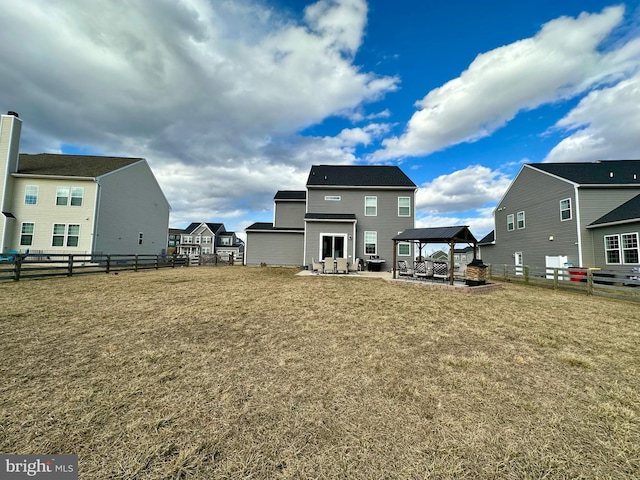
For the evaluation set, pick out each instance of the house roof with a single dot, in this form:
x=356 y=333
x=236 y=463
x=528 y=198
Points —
x=488 y=238
x=214 y=227
x=627 y=212
x=358 y=176
x=330 y=216
x=290 y=195
x=268 y=227
x=63 y=165
x=437 y=234
x=605 y=172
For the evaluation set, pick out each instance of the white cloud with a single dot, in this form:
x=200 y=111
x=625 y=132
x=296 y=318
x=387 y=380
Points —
x=604 y=124
x=213 y=94
x=468 y=189
x=562 y=60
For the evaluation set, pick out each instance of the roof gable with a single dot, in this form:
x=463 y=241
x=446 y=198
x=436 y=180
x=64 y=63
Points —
x=358 y=176
x=62 y=165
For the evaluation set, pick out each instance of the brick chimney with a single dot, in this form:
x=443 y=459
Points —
x=10 y=128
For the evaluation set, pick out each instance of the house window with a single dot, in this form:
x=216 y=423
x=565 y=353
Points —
x=520 y=219
x=68 y=195
x=225 y=240
x=370 y=243
x=371 y=206
x=404 y=249
x=206 y=240
x=612 y=248
x=404 y=206
x=332 y=198
x=206 y=250
x=26 y=234
x=187 y=239
x=198 y=240
x=76 y=196
x=510 y=222
x=62 y=232
x=630 y=248
x=565 y=209
x=62 y=196
x=31 y=195
x=73 y=235
x=140 y=235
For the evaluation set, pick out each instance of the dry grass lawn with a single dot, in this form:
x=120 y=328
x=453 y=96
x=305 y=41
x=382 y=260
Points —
x=235 y=372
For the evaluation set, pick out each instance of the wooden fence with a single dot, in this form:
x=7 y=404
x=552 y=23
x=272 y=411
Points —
x=607 y=283
x=57 y=265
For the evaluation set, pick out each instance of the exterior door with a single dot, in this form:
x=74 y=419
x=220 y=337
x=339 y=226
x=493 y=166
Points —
x=518 y=262
x=333 y=245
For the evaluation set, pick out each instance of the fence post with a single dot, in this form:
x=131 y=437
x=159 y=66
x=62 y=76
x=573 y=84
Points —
x=135 y=265
x=555 y=278
x=157 y=262
x=589 y=282
x=504 y=273
x=173 y=261
x=231 y=258
x=17 y=267
x=526 y=274
x=108 y=264
x=70 y=266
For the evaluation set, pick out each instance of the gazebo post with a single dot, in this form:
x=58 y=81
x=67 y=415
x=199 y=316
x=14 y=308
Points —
x=451 y=264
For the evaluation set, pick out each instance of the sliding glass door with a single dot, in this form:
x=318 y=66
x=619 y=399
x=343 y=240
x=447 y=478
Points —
x=333 y=245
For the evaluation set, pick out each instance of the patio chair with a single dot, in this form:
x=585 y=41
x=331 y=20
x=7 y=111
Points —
x=403 y=270
x=441 y=270
x=341 y=265
x=329 y=265
x=355 y=266
x=316 y=266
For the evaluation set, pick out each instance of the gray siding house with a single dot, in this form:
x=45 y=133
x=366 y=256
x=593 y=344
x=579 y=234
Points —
x=568 y=214
x=350 y=212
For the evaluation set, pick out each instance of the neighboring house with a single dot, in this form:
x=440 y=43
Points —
x=56 y=203
x=345 y=212
x=229 y=244
x=173 y=240
x=199 y=238
x=569 y=214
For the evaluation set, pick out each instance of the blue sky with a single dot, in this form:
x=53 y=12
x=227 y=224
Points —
x=231 y=101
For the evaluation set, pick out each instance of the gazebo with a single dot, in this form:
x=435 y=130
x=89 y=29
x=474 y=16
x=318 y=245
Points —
x=449 y=235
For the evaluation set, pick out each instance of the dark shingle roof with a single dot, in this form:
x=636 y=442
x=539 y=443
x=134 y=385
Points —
x=291 y=195
x=268 y=227
x=437 y=234
x=358 y=176
x=71 y=165
x=330 y=216
x=606 y=172
x=214 y=227
x=628 y=211
x=488 y=238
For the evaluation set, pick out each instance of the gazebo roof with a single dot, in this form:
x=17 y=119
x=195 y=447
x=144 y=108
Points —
x=460 y=233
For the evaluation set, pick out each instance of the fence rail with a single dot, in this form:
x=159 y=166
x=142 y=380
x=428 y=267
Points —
x=57 y=265
x=608 y=283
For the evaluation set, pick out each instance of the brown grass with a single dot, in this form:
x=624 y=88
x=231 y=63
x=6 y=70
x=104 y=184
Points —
x=238 y=372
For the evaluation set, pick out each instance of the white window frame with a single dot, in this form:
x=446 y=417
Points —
x=408 y=214
x=62 y=192
x=511 y=222
x=518 y=220
x=616 y=248
x=206 y=240
x=24 y=234
x=625 y=249
x=374 y=200
x=225 y=241
x=31 y=195
x=372 y=235
x=187 y=239
x=65 y=235
x=76 y=196
x=566 y=209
